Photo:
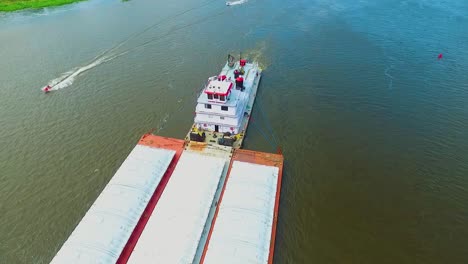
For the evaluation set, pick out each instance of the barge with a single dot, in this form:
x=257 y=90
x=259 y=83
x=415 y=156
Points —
x=198 y=200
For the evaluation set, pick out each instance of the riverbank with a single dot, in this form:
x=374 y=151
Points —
x=14 y=5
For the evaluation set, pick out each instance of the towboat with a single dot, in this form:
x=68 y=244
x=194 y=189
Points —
x=225 y=103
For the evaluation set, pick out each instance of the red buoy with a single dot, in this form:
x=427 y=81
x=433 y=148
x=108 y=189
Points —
x=440 y=56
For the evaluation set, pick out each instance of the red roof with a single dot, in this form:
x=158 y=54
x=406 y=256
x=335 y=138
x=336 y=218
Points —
x=222 y=92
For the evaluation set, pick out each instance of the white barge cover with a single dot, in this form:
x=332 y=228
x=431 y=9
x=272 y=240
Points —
x=174 y=230
x=105 y=229
x=245 y=223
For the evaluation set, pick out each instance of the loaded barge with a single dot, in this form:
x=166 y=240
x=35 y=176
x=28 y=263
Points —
x=198 y=200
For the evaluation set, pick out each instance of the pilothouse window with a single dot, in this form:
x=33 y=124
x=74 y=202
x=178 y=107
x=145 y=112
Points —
x=221 y=97
x=210 y=96
x=215 y=96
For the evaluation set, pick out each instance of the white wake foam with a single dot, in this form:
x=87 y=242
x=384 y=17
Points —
x=68 y=78
x=390 y=85
x=239 y=2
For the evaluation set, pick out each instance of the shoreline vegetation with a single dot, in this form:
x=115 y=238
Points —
x=14 y=5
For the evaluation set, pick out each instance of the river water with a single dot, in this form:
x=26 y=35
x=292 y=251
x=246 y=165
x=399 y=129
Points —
x=374 y=128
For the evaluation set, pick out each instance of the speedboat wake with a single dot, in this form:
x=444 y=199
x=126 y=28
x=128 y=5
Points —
x=233 y=3
x=68 y=78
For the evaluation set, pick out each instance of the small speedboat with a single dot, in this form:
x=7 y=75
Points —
x=228 y=3
x=47 y=89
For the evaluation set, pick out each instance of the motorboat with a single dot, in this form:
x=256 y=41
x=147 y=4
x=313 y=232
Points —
x=47 y=89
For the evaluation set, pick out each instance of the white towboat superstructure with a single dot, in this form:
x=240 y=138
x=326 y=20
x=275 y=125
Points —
x=225 y=103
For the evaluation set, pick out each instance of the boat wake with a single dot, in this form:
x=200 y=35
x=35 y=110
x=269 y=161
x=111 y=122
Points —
x=258 y=54
x=68 y=78
x=233 y=3
x=390 y=85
